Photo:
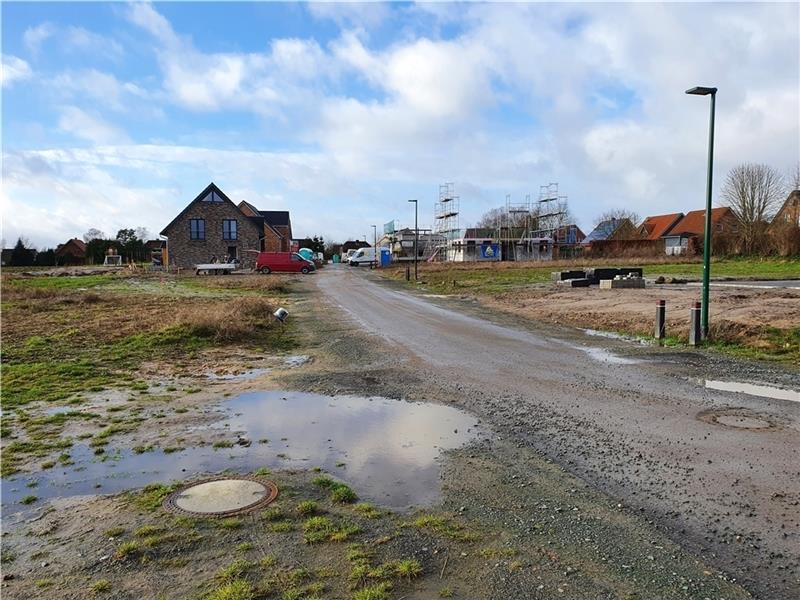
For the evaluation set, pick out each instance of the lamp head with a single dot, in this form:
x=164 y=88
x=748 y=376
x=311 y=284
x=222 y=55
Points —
x=701 y=91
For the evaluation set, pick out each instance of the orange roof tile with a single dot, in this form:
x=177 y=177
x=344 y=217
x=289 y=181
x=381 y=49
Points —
x=656 y=226
x=693 y=222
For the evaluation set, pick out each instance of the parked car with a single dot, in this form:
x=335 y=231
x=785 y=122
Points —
x=346 y=257
x=363 y=256
x=283 y=262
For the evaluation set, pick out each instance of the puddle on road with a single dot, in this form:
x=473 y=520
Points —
x=764 y=391
x=617 y=336
x=389 y=449
x=605 y=356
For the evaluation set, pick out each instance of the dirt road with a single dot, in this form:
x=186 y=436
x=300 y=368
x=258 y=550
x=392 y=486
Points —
x=718 y=471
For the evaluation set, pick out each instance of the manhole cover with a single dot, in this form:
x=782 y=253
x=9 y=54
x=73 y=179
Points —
x=222 y=496
x=742 y=422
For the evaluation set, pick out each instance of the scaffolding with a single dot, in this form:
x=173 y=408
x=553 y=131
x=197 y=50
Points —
x=446 y=219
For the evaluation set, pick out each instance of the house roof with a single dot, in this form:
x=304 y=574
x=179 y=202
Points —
x=79 y=244
x=604 y=230
x=693 y=222
x=276 y=218
x=658 y=225
x=790 y=209
x=211 y=187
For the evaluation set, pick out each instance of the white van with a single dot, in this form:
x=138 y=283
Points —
x=363 y=256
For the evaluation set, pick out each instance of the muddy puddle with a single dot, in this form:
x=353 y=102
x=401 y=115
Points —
x=603 y=355
x=387 y=449
x=764 y=391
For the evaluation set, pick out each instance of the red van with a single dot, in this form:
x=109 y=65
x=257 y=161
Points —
x=283 y=262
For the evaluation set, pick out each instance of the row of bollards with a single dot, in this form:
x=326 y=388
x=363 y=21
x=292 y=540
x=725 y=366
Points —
x=695 y=330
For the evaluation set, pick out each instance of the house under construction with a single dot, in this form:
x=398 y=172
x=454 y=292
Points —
x=525 y=230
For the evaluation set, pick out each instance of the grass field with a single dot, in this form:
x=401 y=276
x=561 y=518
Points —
x=65 y=336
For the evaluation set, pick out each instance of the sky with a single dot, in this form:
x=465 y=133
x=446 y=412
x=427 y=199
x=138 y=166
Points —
x=118 y=114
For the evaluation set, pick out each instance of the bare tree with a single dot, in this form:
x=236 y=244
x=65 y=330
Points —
x=93 y=234
x=619 y=214
x=794 y=178
x=752 y=191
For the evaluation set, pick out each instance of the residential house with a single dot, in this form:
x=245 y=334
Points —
x=71 y=252
x=211 y=226
x=683 y=236
x=5 y=256
x=277 y=226
x=657 y=226
x=611 y=229
x=789 y=213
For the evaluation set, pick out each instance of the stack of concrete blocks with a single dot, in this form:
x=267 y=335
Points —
x=571 y=278
x=605 y=277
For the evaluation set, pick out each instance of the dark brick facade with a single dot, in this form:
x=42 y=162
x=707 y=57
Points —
x=184 y=252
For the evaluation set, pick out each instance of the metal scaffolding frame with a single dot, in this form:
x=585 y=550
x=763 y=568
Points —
x=445 y=215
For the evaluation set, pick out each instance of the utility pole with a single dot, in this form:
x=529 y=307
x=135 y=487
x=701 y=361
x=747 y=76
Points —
x=375 y=245
x=416 y=236
x=707 y=91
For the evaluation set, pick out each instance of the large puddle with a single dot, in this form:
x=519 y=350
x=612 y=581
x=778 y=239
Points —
x=387 y=450
x=765 y=391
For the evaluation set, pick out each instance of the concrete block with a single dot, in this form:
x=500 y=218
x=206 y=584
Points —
x=621 y=284
x=637 y=271
x=563 y=275
x=579 y=282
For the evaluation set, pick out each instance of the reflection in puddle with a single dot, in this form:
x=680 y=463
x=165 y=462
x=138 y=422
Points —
x=386 y=449
x=604 y=355
x=764 y=391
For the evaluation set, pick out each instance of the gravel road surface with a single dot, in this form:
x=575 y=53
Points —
x=718 y=471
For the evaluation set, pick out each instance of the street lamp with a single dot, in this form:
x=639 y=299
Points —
x=707 y=91
x=374 y=245
x=416 y=235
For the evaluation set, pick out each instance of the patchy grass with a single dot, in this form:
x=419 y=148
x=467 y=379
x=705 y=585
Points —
x=152 y=496
x=339 y=492
x=101 y=586
x=233 y=590
x=443 y=526
x=59 y=339
x=308 y=507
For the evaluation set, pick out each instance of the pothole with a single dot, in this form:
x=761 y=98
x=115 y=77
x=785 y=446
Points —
x=742 y=422
x=737 y=419
x=222 y=496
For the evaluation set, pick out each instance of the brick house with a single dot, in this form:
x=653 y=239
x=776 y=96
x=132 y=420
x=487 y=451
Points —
x=71 y=252
x=682 y=237
x=276 y=224
x=789 y=213
x=212 y=225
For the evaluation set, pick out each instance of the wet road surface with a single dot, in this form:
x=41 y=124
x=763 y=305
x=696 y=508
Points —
x=634 y=425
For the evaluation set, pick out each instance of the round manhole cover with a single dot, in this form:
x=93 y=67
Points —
x=222 y=496
x=742 y=422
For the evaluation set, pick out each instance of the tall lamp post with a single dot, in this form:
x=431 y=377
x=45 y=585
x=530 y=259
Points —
x=707 y=91
x=416 y=235
x=375 y=245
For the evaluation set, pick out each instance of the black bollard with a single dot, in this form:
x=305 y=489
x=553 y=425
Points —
x=695 y=331
x=661 y=319
x=408 y=272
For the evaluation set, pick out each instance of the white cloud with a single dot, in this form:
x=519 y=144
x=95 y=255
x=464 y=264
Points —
x=78 y=38
x=14 y=69
x=34 y=37
x=89 y=127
